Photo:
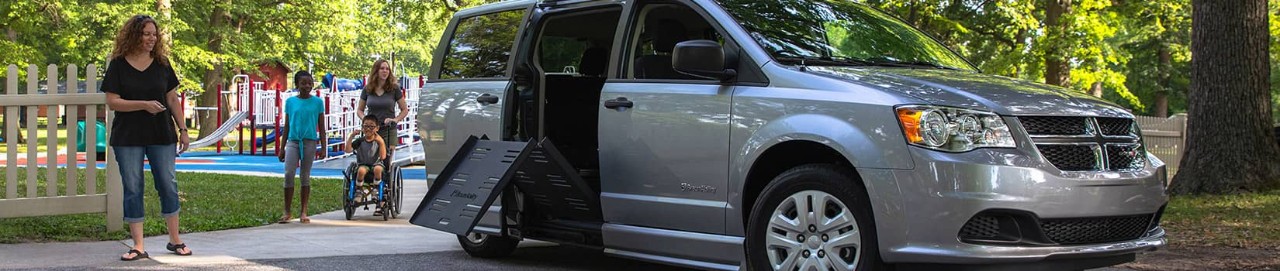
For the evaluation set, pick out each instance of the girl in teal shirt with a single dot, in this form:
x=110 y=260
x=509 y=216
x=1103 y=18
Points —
x=302 y=114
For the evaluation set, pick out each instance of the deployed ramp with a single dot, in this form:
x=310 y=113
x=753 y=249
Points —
x=466 y=187
x=222 y=131
x=471 y=181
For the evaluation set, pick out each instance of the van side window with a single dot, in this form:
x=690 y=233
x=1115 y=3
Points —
x=658 y=29
x=481 y=46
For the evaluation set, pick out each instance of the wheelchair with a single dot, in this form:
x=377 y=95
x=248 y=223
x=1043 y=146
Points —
x=385 y=196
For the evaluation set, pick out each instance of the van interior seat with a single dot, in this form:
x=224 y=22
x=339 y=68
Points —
x=666 y=34
x=572 y=109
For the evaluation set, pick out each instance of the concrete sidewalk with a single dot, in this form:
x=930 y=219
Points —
x=328 y=234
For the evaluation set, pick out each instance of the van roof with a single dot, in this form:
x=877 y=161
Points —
x=491 y=7
x=514 y=4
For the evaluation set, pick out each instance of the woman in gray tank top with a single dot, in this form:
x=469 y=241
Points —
x=382 y=96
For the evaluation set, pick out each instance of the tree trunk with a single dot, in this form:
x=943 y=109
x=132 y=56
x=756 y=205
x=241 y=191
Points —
x=1166 y=87
x=1229 y=138
x=1057 y=68
x=213 y=77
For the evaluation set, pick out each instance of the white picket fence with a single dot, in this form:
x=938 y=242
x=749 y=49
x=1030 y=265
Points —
x=1165 y=137
x=70 y=201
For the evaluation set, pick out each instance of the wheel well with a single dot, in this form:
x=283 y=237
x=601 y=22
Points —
x=783 y=157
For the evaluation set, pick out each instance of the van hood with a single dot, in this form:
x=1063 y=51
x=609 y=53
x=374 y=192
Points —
x=1002 y=95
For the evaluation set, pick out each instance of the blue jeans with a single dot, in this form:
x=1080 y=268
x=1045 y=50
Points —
x=161 y=159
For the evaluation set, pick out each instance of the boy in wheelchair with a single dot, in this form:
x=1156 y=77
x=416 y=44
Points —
x=369 y=149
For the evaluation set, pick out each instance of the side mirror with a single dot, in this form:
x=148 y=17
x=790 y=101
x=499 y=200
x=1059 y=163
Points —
x=702 y=59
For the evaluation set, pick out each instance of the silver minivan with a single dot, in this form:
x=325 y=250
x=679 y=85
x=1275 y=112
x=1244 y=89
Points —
x=769 y=135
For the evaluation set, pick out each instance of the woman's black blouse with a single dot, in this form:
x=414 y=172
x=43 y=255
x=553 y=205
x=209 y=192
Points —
x=140 y=128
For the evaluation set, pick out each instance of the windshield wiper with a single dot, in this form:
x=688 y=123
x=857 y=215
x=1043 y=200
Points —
x=825 y=61
x=887 y=61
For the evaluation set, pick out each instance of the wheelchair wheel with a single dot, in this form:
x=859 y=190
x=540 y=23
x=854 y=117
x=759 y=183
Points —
x=398 y=200
x=347 y=205
x=386 y=212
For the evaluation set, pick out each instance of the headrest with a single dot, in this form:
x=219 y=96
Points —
x=594 y=62
x=666 y=33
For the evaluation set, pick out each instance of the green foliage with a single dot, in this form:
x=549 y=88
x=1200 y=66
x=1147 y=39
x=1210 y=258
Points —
x=338 y=36
x=1273 y=10
x=1114 y=43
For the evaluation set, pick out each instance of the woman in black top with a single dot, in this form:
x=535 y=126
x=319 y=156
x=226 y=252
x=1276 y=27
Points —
x=382 y=95
x=141 y=88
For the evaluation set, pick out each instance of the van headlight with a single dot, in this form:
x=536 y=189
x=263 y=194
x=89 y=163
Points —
x=953 y=129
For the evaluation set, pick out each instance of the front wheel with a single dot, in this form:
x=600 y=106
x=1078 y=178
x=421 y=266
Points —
x=487 y=246
x=348 y=204
x=813 y=217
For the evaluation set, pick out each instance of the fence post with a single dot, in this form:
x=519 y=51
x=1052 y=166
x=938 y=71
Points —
x=91 y=133
x=11 y=129
x=32 y=133
x=115 y=189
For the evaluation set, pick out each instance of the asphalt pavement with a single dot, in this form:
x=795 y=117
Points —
x=329 y=242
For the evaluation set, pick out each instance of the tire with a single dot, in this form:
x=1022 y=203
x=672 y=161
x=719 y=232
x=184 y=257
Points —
x=487 y=246
x=399 y=199
x=348 y=206
x=386 y=213
x=841 y=245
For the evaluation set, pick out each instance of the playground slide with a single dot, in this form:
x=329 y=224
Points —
x=267 y=139
x=222 y=131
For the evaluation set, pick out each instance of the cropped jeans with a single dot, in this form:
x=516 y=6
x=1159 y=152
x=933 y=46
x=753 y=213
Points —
x=161 y=158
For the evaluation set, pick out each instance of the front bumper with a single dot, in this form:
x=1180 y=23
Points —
x=946 y=190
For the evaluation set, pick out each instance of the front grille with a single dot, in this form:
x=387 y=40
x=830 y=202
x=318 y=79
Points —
x=1073 y=231
x=1055 y=125
x=1070 y=157
x=1115 y=126
x=1125 y=157
x=1086 y=143
x=980 y=227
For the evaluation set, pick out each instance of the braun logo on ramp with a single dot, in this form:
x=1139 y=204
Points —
x=457 y=194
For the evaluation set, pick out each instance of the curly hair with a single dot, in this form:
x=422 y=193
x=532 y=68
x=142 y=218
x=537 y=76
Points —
x=386 y=85
x=129 y=39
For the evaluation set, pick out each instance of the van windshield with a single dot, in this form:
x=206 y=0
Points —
x=838 y=33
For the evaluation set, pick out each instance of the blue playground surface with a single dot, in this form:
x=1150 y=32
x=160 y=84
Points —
x=231 y=163
x=213 y=162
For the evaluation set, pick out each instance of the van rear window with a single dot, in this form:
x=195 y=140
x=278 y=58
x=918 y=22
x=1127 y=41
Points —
x=481 y=46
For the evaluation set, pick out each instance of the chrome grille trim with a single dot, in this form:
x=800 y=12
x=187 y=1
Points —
x=1112 y=141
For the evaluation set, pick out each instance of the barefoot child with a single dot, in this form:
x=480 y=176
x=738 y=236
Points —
x=369 y=149
x=302 y=113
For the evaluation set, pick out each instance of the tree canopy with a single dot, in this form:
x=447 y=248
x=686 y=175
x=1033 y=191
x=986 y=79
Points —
x=1135 y=53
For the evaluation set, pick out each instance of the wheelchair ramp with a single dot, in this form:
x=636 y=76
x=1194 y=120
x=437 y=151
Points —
x=466 y=186
x=554 y=187
x=481 y=169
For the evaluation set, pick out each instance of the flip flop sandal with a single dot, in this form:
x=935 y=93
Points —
x=175 y=248
x=305 y=220
x=285 y=220
x=136 y=255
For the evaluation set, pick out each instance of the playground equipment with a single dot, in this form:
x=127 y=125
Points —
x=255 y=108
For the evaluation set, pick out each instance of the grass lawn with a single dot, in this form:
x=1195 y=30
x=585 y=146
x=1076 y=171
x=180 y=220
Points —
x=209 y=202
x=1244 y=221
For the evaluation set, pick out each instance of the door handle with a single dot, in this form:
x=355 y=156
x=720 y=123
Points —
x=619 y=102
x=487 y=99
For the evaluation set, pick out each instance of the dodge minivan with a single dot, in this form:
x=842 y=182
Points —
x=769 y=135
